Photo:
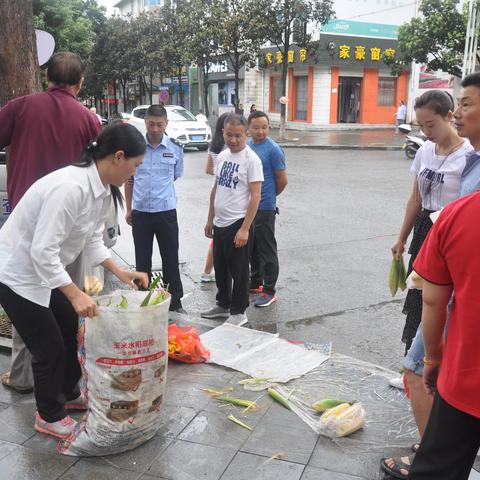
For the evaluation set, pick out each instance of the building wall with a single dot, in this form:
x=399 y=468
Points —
x=372 y=113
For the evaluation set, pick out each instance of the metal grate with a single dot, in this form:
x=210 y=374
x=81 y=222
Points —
x=5 y=326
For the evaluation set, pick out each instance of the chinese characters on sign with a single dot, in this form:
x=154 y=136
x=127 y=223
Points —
x=278 y=58
x=345 y=52
x=361 y=53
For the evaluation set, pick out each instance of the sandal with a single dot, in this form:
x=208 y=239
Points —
x=5 y=378
x=400 y=468
x=415 y=447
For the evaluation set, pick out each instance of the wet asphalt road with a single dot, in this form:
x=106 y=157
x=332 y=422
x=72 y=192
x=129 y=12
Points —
x=339 y=215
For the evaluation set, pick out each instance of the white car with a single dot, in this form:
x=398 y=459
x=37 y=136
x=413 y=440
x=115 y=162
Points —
x=182 y=126
x=4 y=208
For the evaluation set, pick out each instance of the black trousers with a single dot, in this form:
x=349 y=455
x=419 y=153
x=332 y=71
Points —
x=264 y=258
x=449 y=445
x=231 y=264
x=163 y=226
x=50 y=335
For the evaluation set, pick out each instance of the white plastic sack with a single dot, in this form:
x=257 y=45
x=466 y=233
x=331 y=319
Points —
x=123 y=353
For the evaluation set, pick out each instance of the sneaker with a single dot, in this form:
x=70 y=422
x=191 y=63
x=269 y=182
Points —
x=397 y=382
x=238 y=319
x=216 y=312
x=258 y=289
x=61 y=429
x=207 y=277
x=79 y=403
x=265 y=299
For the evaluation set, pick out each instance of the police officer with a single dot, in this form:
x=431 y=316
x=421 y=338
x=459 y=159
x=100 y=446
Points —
x=151 y=203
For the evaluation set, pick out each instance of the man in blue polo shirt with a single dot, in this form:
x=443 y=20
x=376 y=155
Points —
x=264 y=258
x=151 y=203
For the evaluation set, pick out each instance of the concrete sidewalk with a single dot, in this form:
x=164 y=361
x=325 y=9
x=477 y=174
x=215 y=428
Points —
x=343 y=139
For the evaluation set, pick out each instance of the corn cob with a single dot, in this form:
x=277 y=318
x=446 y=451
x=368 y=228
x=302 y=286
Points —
x=335 y=411
x=393 y=277
x=279 y=398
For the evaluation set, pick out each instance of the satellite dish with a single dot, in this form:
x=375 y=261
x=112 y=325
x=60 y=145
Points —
x=45 y=46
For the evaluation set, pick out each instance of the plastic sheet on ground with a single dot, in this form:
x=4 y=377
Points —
x=389 y=418
x=259 y=354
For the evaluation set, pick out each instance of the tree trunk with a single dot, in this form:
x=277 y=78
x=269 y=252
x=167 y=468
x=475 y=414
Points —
x=115 y=103
x=181 y=93
x=236 y=70
x=201 y=105
x=150 y=92
x=18 y=50
x=283 y=106
x=205 y=91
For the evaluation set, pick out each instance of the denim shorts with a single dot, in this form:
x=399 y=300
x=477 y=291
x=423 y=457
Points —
x=413 y=361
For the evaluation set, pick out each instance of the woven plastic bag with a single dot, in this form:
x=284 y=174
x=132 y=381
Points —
x=184 y=345
x=123 y=355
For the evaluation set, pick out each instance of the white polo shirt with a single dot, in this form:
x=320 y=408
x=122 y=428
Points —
x=60 y=215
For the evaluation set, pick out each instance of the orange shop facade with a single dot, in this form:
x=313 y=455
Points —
x=343 y=80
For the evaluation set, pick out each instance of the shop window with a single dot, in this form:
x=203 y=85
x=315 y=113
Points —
x=386 y=92
x=223 y=93
x=275 y=93
x=153 y=2
x=301 y=98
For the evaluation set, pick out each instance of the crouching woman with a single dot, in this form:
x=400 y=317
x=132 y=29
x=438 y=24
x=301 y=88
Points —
x=60 y=216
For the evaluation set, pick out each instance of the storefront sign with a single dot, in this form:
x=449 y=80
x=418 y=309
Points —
x=360 y=29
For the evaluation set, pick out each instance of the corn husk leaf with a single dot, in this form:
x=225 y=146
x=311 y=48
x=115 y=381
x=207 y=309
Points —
x=151 y=289
x=253 y=381
x=402 y=275
x=279 y=398
x=239 y=402
x=393 y=277
x=238 y=422
x=123 y=303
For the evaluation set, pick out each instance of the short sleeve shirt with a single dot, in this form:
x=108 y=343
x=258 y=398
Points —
x=46 y=131
x=450 y=256
x=439 y=176
x=273 y=160
x=234 y=173
x=153 y=186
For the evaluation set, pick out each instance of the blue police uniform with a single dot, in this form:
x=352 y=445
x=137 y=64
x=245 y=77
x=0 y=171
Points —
x=154 y=213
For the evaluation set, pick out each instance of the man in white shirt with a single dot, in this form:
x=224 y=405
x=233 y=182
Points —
x=401 y=115
x=234 y=202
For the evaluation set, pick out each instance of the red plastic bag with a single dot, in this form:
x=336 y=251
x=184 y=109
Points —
x=185 y=345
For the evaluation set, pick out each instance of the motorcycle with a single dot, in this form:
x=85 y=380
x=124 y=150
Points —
x=413 y=141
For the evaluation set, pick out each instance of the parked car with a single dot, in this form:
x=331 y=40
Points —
x=182 y=126
x=4 y=208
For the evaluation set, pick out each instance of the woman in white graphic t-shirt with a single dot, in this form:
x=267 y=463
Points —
x=438 y=166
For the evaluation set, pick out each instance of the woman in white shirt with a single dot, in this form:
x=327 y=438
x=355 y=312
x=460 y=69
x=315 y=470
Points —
x=438 y=168
x=60 y=216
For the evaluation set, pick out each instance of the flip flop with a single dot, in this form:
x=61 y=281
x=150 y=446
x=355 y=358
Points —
x=5 y=379
x=396 y=470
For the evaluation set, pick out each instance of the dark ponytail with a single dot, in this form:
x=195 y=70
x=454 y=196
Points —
x=218 y=142
x=116 y=137
x=439 y=101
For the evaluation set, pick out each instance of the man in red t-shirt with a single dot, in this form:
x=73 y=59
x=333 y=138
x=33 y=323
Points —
x=45 y=131
x=449 y=261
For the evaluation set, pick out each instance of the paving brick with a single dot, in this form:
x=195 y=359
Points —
x=246 y=466
x=312 y=473
x=16 y=423
x=174 y=419
x=191 y=461
x=25 y=464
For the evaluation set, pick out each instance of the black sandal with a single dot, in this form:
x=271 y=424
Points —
x=415 y=447
x=396 y=470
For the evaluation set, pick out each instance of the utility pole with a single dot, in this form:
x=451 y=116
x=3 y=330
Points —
x=471 y=38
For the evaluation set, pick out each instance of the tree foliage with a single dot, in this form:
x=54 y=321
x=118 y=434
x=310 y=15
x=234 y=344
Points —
x=73 y=23
x=436 y=38
x=240 y=37
x=284 y=18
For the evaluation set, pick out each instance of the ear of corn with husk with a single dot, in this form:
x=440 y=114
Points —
x=397 y=276
x=327 y=403
x=92 y=285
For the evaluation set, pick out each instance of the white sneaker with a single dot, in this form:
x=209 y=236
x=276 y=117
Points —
x=207 y=277
x=60 y=429
x=239 y=319
x=397 y=382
